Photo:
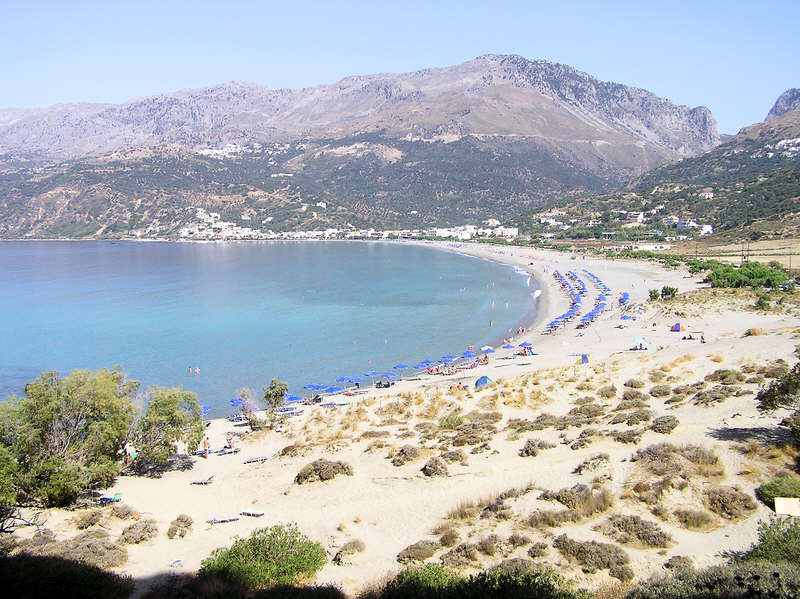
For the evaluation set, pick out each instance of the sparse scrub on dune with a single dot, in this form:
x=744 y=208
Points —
x=460 y=556
x=582 y=499
x=293 y=450
x=725 y=376
x=321 y=470
x=629 y=436
x=551 y=518
x=693 y=519
x=729 y=502
x=713 y=396
x=631 y=404
x=632 y=529
x=138 y=532
x=473 y=434
x=634 y=383
x=538 y=550
x=123 y=511
x=477 y=417
x=533 y=446
x=88 y=519
x=351 y=547
x=450 y=421
x=435 y=467
x=781 y=486
x=657 y=375
x=405 y=454
x=418 y=552
x=667 y=459
x=518 y=540
x=664 y=424
x=633 y=418
x=678 y=563
x=179 y=526
x=634 y=395
x=91 y=547
x=449 y=538
x=587 y=411
x=456 y=455
x=465 y=510
x=660 y=391
x=607 y=391
x=591 y=555
x=592 y=463
x=488 y=545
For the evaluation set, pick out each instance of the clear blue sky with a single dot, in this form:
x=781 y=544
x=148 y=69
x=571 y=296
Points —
x=735 y=57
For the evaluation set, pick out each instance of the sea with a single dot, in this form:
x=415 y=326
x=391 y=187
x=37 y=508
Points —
x=217 y=317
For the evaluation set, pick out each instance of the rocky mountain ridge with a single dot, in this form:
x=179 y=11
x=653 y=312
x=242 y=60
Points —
x=788 y=101
x=490 y=95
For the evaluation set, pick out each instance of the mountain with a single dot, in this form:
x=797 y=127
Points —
x=786 y=102
x=494 y=136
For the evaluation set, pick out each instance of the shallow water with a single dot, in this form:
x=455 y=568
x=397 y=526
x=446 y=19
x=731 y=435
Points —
x=245 y=312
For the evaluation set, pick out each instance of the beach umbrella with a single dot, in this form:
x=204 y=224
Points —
x=205 y=409
x=468 y=354
x=344 y=379
x=488 y=351
x=584 y=359
x=372 y=373
x=449 y=357
x=357 y=379
x=334 y=389
x=400 y=366
x=314 y=387
x=446 y=360
x=292 y=398
x=485 y=347
x=509 y=346
x=641 y=340
x=482 y=382
x=236 y=403
x=525 y=344
x=389 y=375
x=420 y=365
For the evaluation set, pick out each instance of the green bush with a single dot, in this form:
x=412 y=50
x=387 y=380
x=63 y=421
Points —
x=654 y=295
x=782 y=486
x=735 y=581
x=778 y=540
x=279 y=554
x=430 y=580
x=668 y=292
x=450 y=421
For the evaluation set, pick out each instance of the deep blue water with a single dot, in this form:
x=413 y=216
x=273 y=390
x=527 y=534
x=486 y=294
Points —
x=244 y=312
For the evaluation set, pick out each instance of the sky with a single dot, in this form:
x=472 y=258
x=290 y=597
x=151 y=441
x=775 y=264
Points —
x=735 y=57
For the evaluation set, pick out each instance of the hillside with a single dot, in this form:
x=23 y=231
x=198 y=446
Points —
x=752 y=180
x=493 y=137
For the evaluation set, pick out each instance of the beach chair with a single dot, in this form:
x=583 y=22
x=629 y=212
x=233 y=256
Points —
x=116 y=498
x=252 y=513
x=257 y=460
x=204 y=481
x=227 y=451
x=223 y=520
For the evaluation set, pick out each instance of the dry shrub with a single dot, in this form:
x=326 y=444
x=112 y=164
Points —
x=88 y=519
x=179 y=526
x=533 y=446
x=592 y=463
x=623 y=573
x=542 y=421
x=587 y=411
x=518 y=540
x=138 y=532
x=91 y=547
x=488 y=545
x=729 y=502
x=449 y=538
x=351 y=547
x=632 y=529
x=631 y=436
x=460 y=556
x=435 y=467
x=607 y=391
x=715 y=395
x=322 y=470
x=473 y=434
x=678 y=563
x=456 y=455
x=725 y=376
x=465 y=510
x=693 y=519
x=123 y=511
x=753 y=332
x=657 y=375
x=716 y=358
x=483 y=417
x=538 y=550
x=418 y=552
x=634 y=395
x=664 y=424
x=293 y=450
x=591 y=555
x=405 y=454
x=551 y=518
x=638 y=417
x=582 y=499
x=631 y=404
x=666 y=459
x=634 y=383
x=374 y=434
x=660 y=391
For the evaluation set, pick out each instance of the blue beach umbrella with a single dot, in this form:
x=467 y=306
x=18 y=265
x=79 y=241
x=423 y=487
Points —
x=525 y=344
x=448 y=357
x=389 y=375
x=205 y=409
x=420 y=365
x=509 y=346
x=400 y=366
x=292 y=398
x=446 y=360
x=344 y=379
x=334 y=389
x=372 y=373
x=357 y=379
x=236 y=403
x=314 y=387
x=468 y=354
x=489 y=351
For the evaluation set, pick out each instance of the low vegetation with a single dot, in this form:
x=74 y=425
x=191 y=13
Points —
x=591 y=555
x=280 y=554
x=321 y=470
x=781 y=486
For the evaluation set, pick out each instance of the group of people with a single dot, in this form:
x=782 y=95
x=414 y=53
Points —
x=193 y=370
x=382 y=385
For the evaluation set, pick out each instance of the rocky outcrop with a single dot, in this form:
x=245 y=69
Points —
x=787 y=102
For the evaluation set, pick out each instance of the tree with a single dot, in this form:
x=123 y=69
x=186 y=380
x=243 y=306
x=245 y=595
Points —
x=783 y=392
x=668 y=292
x=654 y=295
x=275 y=394
x=172 y=416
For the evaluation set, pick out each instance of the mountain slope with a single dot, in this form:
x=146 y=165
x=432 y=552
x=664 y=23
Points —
x=493 y=137
x=786 y=102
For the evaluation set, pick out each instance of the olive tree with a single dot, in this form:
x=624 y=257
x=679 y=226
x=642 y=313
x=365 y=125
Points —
x=171 y=416
x=784 y=392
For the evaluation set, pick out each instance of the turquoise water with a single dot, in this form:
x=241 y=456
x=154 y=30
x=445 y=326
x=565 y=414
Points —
x=244 y=312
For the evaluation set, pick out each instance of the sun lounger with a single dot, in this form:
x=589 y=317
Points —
x=204 y=481
x=237 y=418
x=227 y=451
x=116 y=498
x=252 y=513
x=215 y=520
x=258 y=460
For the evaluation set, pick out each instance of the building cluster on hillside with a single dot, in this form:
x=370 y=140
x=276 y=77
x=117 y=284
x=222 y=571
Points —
x=210 y=226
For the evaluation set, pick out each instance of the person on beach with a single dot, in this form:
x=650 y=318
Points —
x=206 y=447
x=229 y=439
x=197 y=371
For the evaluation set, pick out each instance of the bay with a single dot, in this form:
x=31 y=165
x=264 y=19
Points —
x=303 y=312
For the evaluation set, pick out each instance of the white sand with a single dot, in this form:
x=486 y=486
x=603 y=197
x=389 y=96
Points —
x=391 y=507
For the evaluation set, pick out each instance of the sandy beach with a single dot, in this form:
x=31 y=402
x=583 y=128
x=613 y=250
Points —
x=390 y=507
